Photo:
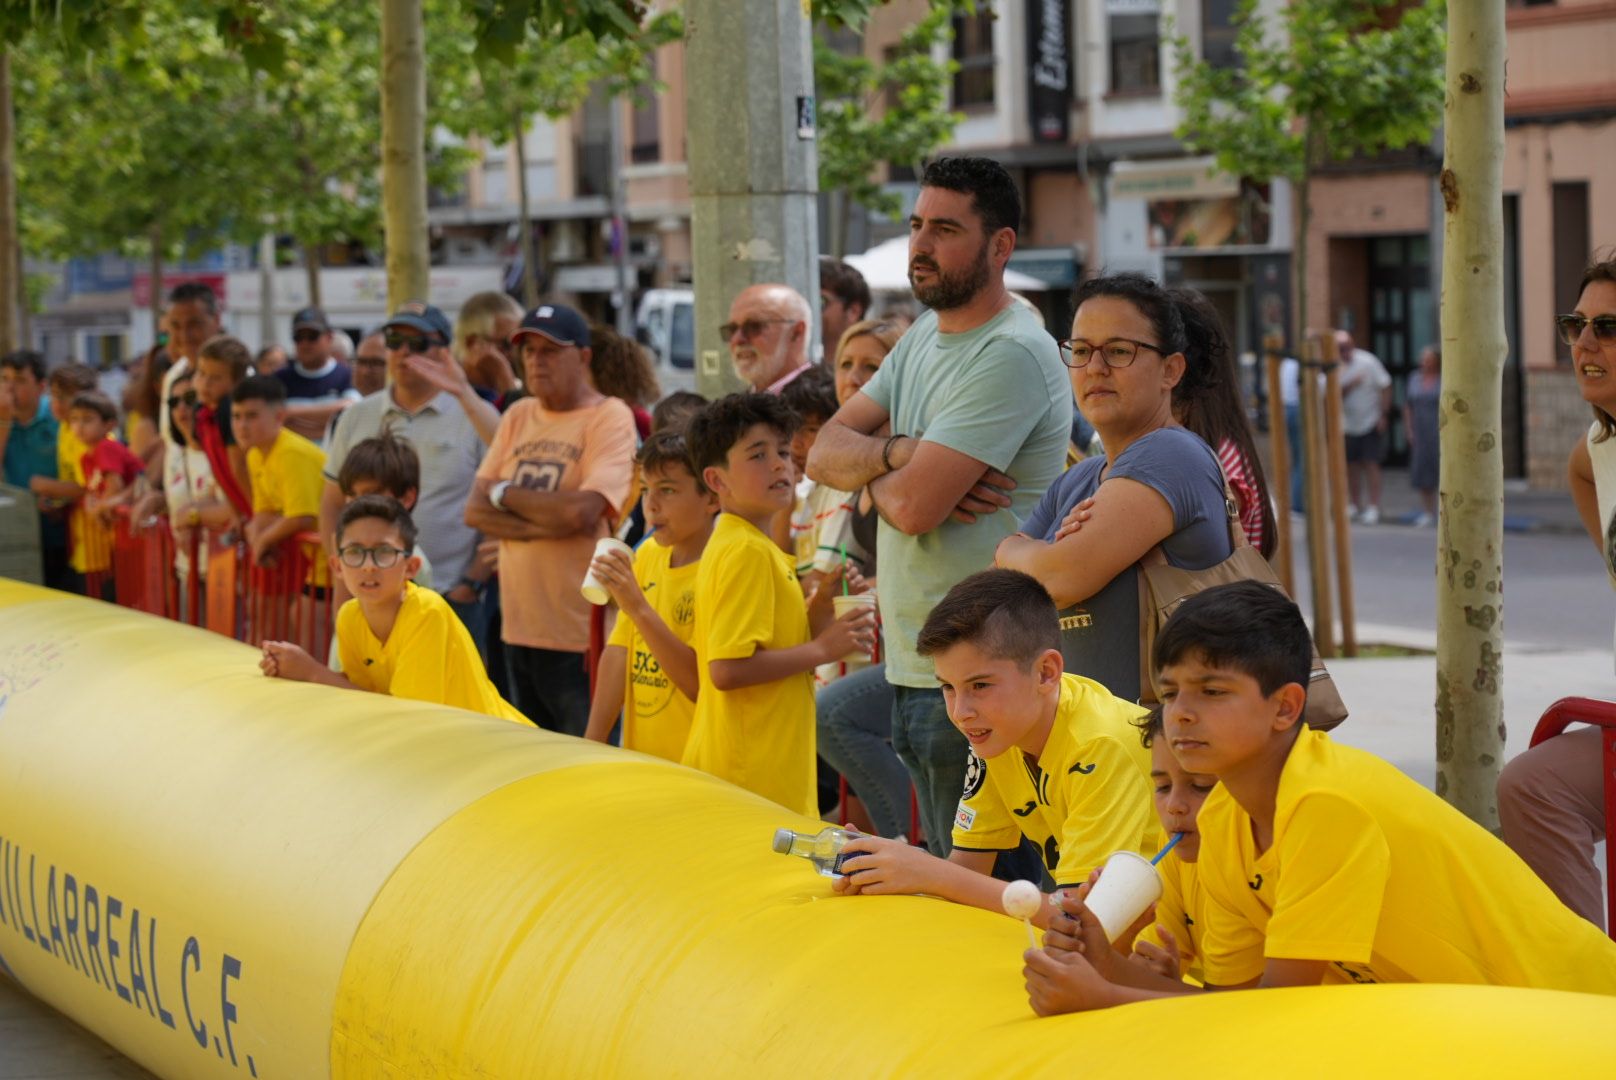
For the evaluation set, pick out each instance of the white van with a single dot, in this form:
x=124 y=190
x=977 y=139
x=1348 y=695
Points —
x=666 y=324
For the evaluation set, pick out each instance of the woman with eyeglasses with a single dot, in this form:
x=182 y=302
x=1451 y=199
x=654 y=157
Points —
x=1158 y=484
x=1551 y=798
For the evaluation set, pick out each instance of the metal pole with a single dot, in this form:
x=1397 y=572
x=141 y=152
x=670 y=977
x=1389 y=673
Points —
x=753 y=162
x=623 y=296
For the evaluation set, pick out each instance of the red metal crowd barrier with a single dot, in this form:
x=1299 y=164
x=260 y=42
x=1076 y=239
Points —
x=218 y=585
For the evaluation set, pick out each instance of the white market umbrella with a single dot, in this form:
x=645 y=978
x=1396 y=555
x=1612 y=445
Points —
x=886 y=269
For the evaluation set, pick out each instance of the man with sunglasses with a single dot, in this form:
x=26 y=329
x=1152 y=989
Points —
x=318 y=385
x=767 y=335
x=445 y=429
x=556 y=479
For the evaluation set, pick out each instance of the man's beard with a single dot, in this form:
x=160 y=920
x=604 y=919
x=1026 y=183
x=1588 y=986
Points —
x=946 y=290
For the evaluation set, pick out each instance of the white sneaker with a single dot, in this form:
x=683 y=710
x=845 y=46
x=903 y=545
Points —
x=1424 y=520
x=1370 y=516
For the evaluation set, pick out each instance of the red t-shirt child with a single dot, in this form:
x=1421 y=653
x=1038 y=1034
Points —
x=108 y=458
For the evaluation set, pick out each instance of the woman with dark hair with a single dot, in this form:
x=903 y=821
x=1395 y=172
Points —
x=1158 y=484
x=1207 y=401
x=1551 y=801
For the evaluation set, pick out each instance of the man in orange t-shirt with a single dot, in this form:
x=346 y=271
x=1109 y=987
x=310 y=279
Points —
x=554 y=481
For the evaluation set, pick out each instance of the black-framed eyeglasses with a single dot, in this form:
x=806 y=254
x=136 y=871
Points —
x=1117 y=352
x=1570 y=327
x=188 y=399
x=749 y=329
x=383 y=555
x=301 y=336
x=415 y=343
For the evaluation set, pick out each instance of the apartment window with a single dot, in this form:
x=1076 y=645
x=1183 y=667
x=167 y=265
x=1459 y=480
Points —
x=973 y=52
x=1135 y=52
x=1218 y=32
x=1571 y=245
x=645 y=124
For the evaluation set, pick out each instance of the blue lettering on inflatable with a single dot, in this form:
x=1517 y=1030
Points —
x=110 y=934
x=33 y=907
x=53 y=916
x=137 y=965
x=157 y=991
x=92 y=932
x=192 y=952
x=14 y=882
x=70 y=923
x=227 y=1008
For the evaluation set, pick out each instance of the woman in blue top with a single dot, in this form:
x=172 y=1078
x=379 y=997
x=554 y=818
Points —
x=1157 y=484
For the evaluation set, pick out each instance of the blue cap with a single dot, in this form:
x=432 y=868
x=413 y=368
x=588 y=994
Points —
x=310 y=318
x=423 y=317
x=558 y=322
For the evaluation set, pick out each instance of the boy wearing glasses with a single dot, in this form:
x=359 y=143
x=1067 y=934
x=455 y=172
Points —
x=394 y=637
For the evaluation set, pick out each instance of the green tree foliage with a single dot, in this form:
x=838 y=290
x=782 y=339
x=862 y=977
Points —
x=857 y=136
x=1318 y=81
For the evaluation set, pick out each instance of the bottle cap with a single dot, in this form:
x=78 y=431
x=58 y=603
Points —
x=782 y=841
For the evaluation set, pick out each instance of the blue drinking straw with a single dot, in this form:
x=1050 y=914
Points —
x=1162 y=854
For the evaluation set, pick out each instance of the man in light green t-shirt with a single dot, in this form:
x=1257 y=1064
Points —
x=980 y=414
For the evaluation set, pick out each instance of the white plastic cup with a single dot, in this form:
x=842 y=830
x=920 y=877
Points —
x=1127 y=886
x=593 y=590
x=841 y=605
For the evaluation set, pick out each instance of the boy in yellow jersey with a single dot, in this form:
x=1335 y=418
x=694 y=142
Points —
x=1171 y=945
x=85 y=534
x=1054 y=757
x=394 y=636
x=648 y=671
x=757 y=641
x=1320 y=863
x=286 y=471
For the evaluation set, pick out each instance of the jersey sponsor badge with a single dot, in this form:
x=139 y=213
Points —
x=964 y=818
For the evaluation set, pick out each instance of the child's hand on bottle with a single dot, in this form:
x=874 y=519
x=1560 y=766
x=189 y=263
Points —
x=878 y=866
x=1073 y=928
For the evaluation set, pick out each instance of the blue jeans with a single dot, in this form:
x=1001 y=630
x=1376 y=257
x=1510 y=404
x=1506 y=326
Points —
x=1293 y=433
x=475 y=615
x=855 y=737
x=935 y=753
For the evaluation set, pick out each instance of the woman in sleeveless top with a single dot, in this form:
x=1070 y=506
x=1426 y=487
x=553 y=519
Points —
x=1551 y=798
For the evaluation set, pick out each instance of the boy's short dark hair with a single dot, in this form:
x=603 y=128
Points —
x=673 y=412
x=1247 y=627
x=1150 y=725
x=1005 y=613
x=844 y=283
x=25 y=360
x=271 y=391
x=73 y=378
x=97 y=402
x=719 y=426
x=387 y=459
x=811 y=395
x=993 y=193
x=666 y=448
x=224 y=349
x=384 y=508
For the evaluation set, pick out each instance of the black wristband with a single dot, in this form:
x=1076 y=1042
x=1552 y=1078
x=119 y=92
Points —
x=886 y=452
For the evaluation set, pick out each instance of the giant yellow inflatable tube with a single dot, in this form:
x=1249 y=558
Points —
x=227 y=876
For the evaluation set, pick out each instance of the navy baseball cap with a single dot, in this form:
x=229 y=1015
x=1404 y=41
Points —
x=423 y=317
x=558 y=322
x=310 y=318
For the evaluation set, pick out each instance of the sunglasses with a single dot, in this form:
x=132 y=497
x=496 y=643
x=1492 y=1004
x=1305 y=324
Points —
x=1571 y=326
x=187 y=398
x=415 y=343
x=302 y=336
x=749 y=329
